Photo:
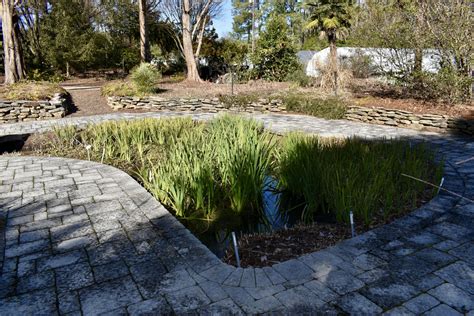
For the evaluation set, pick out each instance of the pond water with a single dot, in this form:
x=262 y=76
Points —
x=219 y=242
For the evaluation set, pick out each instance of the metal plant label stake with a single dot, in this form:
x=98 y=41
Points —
x=236 y=249
x=440 y=185
x=351 y=218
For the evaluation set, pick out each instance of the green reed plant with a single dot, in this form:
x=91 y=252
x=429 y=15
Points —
x=214 y=169
x=333 y=177
x=214 y=173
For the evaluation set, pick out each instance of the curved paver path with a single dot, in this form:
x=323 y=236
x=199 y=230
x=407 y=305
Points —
x=82 y=237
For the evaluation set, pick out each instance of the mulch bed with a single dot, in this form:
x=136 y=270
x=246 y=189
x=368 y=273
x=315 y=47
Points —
x=260 y=250
x=266 y=249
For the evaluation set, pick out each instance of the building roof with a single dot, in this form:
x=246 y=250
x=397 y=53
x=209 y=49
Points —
x=305 y=56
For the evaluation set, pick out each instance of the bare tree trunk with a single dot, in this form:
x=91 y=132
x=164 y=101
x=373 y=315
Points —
x=193 y=74
x=144 y=44
x=14 y=67
x=199 y=40
x=418 y=63
x=333 y=61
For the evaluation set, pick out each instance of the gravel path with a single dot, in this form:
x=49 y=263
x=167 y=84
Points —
x=85 y=238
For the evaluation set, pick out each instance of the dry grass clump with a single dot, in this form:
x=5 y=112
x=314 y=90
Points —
x=326 y=80
x=31 y=90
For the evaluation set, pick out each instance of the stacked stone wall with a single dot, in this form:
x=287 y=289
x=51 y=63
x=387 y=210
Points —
x=406 y=119
x=210 y=105
x=376 y=115
x=24 y=110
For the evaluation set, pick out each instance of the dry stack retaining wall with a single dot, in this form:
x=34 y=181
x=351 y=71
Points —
x=210 y=105
x=381 y=116
x=23 y=110
x=408 y=119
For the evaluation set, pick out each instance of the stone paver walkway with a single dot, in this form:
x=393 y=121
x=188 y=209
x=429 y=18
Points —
x=277 y=122
x=85 y=238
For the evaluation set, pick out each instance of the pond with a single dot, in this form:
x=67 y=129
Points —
x=230 y=174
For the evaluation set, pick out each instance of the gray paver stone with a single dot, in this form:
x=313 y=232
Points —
x=464 y=252
x=261 y=306
x=450 y=231
x=356 y=304
x=155 y=306
x=177 y=280
x=234 y=278
x=273 y=275
x=42 y=302
x=110 y=271
x=398 y=311
x=60 y=260
x=341 y=282
x=108 y=296
x=148 y=275
x=35 y=282
x=224 y=307
x=367 y=262
x=26 y=248
x=218 y=273
x=213 y=290
x=442 y=310
x=322 y=291
x=261 y=279
x=293 y=270
x=454 y=297
x=259 y=293
x=34 y=235
x=68 y=302
x=69 y=231
x=74 y=277
x=238 y=295
x=421 y=304
x=248 y=278
x=388 y=293
x=299 y=296
x=187 y=299
x=459 y=274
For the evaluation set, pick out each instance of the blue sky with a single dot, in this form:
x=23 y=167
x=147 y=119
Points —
x=223 y=23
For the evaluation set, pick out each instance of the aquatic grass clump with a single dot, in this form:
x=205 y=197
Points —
x=332 y=176
x=213 y=175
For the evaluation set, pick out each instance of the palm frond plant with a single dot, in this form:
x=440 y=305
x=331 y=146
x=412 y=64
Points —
x=332 y=20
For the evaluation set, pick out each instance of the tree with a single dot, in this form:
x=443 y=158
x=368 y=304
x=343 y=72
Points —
x=242 y=19
x=407 y=29
x=190 y=19
x=144 y=44
x=275 y=57
x=13 y=54
x=332 y=19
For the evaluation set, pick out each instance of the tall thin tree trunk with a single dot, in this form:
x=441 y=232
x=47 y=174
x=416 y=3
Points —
x=419 y=33
x=144 y=44
x=14 y=67
x=193 y=74
x=199 y=40
x=333 y=61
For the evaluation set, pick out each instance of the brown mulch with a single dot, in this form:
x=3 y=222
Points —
x=265 y=249
x=209 y=90
x=370 y=93
x=260 y=250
